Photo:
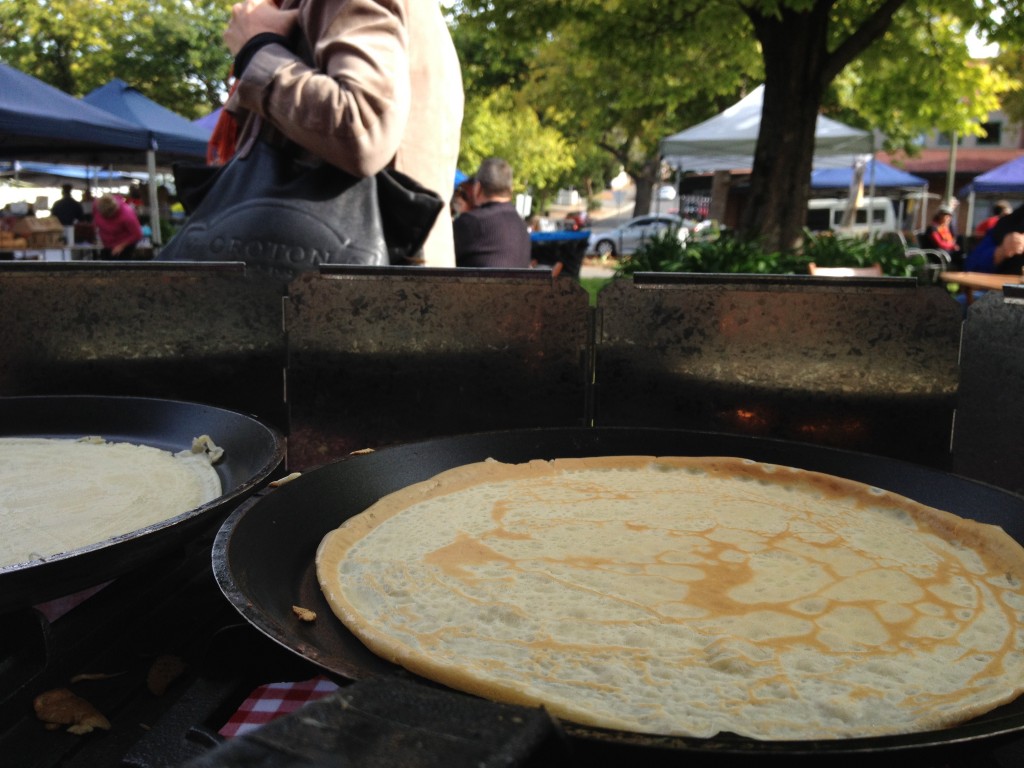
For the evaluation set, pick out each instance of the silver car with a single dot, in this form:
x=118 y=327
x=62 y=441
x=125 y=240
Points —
x=627 y=237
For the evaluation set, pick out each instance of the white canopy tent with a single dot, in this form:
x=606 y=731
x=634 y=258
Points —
x=727 y=141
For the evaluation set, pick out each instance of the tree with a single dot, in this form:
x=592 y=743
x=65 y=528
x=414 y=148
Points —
x=615 y=77
x=1011 y=61
x=677 y=59
x=875 y=88
x=624 y=98
x=496 y=126
x=171 y=50
x=806 y=45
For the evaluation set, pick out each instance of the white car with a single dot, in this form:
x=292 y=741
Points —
x=626 y=238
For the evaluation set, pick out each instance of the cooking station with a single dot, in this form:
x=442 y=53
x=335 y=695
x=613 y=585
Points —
x=876 y=378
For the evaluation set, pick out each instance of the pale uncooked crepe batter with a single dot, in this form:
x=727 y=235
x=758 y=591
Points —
x=687 y=596
x=61 y=495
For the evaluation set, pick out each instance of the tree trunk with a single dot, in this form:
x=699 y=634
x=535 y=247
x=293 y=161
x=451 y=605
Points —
x=795 y=53
x=645 y=177
x=798 y=68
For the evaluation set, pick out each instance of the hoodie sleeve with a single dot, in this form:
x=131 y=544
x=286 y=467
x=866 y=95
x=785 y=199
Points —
x=350 y=109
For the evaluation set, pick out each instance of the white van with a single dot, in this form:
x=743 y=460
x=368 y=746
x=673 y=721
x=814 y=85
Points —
x=826 y=213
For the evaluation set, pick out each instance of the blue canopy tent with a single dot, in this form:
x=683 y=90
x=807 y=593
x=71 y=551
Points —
x=876 y=175
x=1006 y=179
x=170 y=134
x=208 y=122
x=876 y=172
x=42 y=122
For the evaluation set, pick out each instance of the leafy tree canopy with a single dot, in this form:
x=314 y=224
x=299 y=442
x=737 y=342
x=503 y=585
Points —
x=622 y=74
x=497 y=125
x=170 y=50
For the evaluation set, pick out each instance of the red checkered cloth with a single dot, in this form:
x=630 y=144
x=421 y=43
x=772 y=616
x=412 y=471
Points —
x=273 y=700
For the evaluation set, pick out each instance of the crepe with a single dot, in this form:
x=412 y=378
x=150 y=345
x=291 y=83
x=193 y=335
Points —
x=61 y=495
x=687 y=596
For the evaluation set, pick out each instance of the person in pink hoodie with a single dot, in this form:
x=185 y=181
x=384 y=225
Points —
x=117 y=227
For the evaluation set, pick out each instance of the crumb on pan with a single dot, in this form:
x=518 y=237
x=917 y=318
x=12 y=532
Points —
x=62 y=707
x=304 y=614
x=284 y=480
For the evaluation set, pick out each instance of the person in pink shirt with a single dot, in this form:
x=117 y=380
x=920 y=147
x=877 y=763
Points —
x=117 y=227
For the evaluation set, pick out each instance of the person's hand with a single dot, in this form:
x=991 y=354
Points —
x=1013 y=243
x=253 y=17
x=116 y=250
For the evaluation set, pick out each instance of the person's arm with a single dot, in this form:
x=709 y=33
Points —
x=1010 y=246
x=350 y=109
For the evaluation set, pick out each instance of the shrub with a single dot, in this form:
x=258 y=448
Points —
x=828 y=250
x=729 y=254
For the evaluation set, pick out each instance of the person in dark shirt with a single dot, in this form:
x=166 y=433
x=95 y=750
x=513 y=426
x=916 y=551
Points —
x=68 y=211
x=492 y=234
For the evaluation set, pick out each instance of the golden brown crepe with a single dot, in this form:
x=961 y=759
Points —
x=687 y=596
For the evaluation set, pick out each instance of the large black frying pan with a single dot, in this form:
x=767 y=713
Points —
x=252 y=452
x=263 y=560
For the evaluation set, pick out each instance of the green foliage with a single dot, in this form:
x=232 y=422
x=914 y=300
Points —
x=496 y=125
x=730 y=254
x=170 y=50
x=665 y=252
x=914 y=80
x=620 y=75
x=612 y=77
x=828 y=250
x=1011 y=62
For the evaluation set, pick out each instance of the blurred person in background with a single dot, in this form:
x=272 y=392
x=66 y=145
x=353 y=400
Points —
x=939 y=234
x=462 y=200
x=68 y=212
x=1000 y=209
x=117 y=227
x=492 y=234
x=1001 y=250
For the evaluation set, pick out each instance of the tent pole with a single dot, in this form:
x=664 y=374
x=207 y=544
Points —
x=970 y=216
x=154 y=210
x=871 y=202
x=951 y=171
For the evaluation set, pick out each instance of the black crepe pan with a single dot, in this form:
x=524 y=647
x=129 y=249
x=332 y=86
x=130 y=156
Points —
x=263 y=560
x=252 y=452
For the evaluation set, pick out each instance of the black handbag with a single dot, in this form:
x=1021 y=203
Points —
x=283 y=212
